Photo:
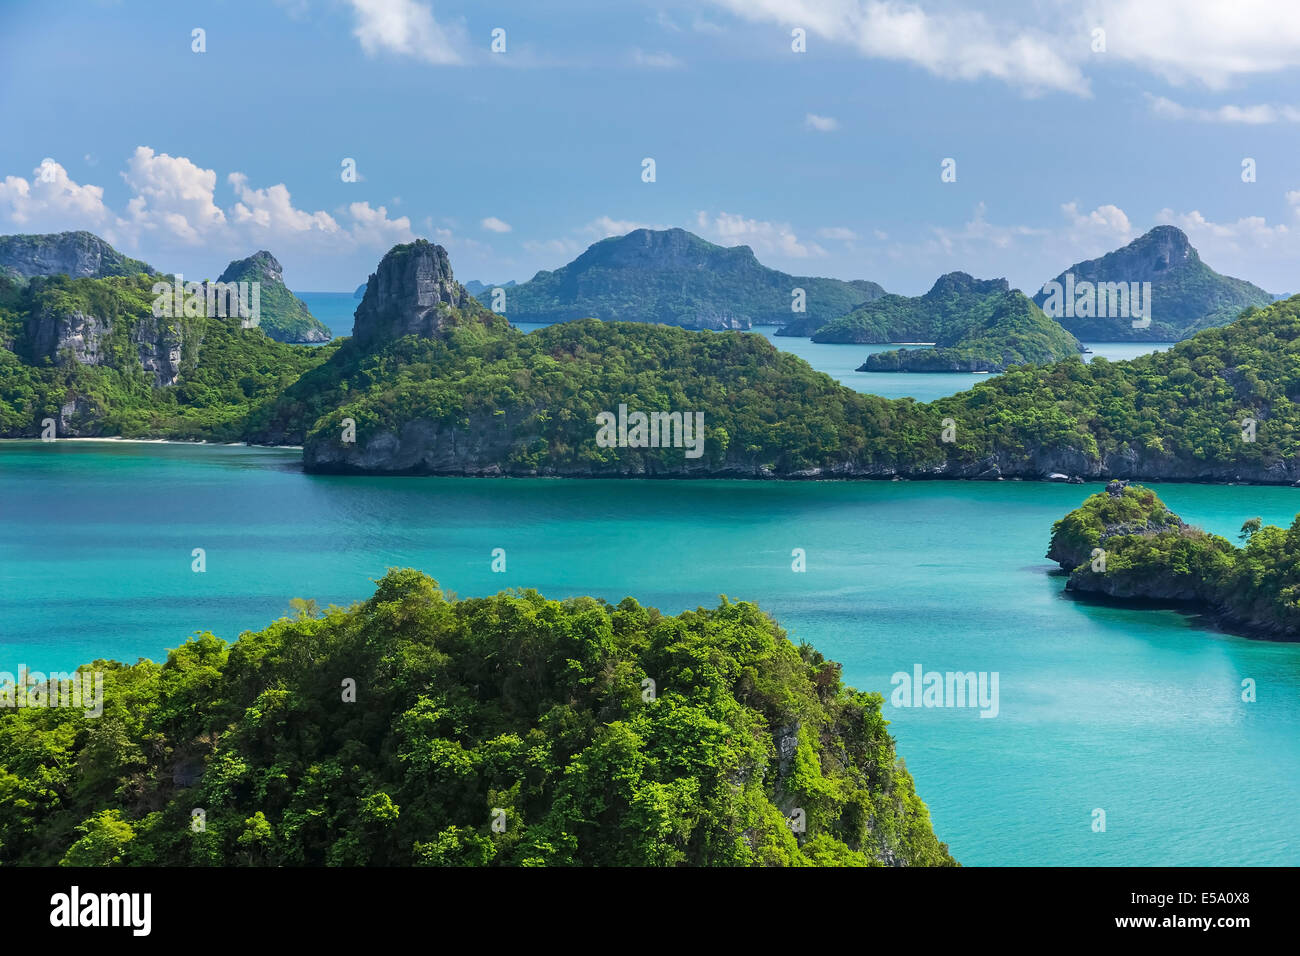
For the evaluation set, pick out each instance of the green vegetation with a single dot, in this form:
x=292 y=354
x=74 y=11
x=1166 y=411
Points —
x=76 y=254
x=392 y=733
x=676 y=278
x=283 y=316
x=955 y=303
x=1186 y=294
x=1000 y=330
x=221 y=371
x=470 y=394
x=531 y=401
x=1149 y=553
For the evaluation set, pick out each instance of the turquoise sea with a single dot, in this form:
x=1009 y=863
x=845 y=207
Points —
x=1134 y=712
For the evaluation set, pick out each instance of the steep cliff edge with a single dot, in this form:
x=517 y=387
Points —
x=80 y=255
x=413 y=292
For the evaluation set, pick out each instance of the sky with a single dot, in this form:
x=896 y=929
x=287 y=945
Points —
x=1072 y=127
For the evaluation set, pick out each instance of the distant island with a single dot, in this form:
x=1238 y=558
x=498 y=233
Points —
x=414 y=729
x=976 y=326
x=83 y=255
x=1094 y=299
x=433 y=382
x=284 y=316
x=673 y=277
x=1125 y=544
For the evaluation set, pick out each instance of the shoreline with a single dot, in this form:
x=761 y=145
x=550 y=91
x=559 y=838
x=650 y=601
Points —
x=762 y=479
x=156 y=441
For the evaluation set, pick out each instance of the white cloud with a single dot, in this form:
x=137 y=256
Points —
x=770 y=238
x=604 y=227
x=372 y=228
x=1109 y=221
x=822 y=124
x=1257 y=115
x=955 y=44
x=658 y=61
x=51 y=201
x=1246 y=231
x=1208 y=41
x=837 y=232
x=272 y=210
x=493 y=224
x=407 y=28
x=173 y=196
x=174 y=204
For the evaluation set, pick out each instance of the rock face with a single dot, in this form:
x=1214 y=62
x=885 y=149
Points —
x=1186 y=294
x=75 y=254
x=411 y=293
x=673 y=277
x=282 y=315
x=83 y=338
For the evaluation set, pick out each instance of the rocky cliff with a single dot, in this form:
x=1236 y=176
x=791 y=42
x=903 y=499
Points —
x=75 y=254
x=105 y=322
x=413 y=292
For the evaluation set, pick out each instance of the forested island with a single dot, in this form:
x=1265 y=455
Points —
x=674 y=277
x=416 y=729
x=434 y=382
x=1126 y=544
x=993 y=332
x=83 y=255
x=1186 y=295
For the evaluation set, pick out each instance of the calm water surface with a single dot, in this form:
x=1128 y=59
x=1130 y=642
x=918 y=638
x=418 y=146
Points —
x=1134 y=712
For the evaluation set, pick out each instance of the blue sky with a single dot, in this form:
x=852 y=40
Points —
x=826 y=162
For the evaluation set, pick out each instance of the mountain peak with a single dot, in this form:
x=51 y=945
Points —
x=962 y=282
x=261 y=265
x=408 y=294
x=1186 y=295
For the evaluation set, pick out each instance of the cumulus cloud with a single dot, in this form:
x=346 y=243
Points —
x=822 y=124
x=1108 y=221
x=52 y=201
x=771 y=238
x=407 y=28
x=1207 y=41
x=172 y=196
x=174 y=203
x=493 y=224
x=272 y=210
